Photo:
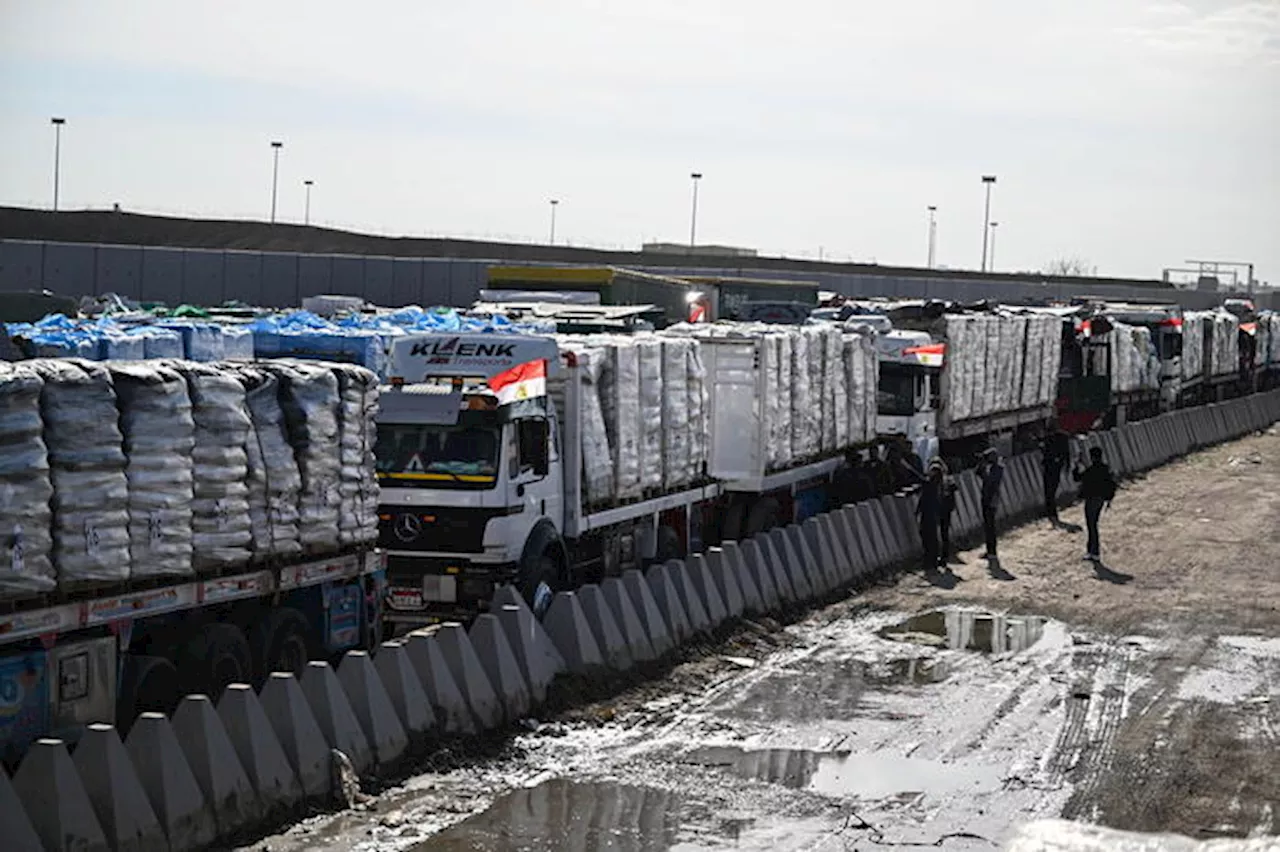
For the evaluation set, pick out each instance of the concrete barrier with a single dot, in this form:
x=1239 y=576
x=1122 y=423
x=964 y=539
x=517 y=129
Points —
x=682 y=578
x=298 y=733
x=810 y=562
x=373 y=708
x=448 y=704
x=903 y=518
x=870 y=537
x=661 y=580
x=333 y=713
x=404 y=688
x=500 y=664
x=20 y=835
x=171 y=787
x=893 y=546
x=860 y=558
x=726 y=582
x=55 y=800
x=736 y=569
x=605 y=628
x=535 y=653
x=699 y=573
x=839 y=550
x=261 y=755
x=121 y=805
x=797 y=578
x=214 y=764
x=651 y=619
x=773 y=563
x=567 y=626
x=824 y=547
x=628 y=620
x=469 y=674
x=967 y=511
x=754 y=565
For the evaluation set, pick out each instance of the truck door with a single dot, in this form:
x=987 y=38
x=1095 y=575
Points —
x=534 y=471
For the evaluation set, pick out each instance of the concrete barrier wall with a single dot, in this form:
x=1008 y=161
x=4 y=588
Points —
x=254 y=759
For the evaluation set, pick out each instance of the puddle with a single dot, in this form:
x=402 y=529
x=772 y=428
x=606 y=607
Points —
x=564 y=815
x=815 y=690
x=878 y=775
x=969 y=630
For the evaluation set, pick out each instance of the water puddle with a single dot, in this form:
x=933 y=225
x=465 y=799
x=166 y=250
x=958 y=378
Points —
x=566 y=815
x=877 y=775
x=969 y=630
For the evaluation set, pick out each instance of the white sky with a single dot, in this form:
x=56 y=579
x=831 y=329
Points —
x=1133 y=134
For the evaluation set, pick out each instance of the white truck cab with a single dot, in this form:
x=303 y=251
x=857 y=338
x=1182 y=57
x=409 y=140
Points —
x=907 y=394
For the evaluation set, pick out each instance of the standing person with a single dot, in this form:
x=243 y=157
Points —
x=1098 y=488
x=929 y=514
x=991 y=472
x=944 y=518
x=1056 y=454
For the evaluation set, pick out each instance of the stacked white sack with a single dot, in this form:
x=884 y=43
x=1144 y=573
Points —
x=954 y=390
x=597 y=455
x=159 y=440
x=358 y=433
x=697 y=394
x=991 y=374
x=87 y=470
x=804 y=420
x=835 y=412
x=26 y=541
x=222 y=532
x=1226 y=343
x=814 y=347
x=1005 y=379
x=309 y=398
x=677 y=454
x=273 y=478
x=620 y=403
x=861 y=369
x=1051 y=360
x=782 y=452
x=649 y=359
x=1193 y=324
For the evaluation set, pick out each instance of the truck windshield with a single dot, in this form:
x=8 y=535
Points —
x=896 y=395
x=439 y=456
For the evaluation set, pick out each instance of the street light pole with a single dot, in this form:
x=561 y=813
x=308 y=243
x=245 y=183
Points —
x=555 y=202
x=992 y=262
x=275 y=176
x=693 y=218
x=57 y=157
x=306 y=216
x=988 y=181
x=933 y=234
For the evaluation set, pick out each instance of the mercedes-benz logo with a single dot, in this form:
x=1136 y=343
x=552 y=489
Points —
x=407 y=527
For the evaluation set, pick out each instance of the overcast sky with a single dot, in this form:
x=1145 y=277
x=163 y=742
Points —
x=1133 y=134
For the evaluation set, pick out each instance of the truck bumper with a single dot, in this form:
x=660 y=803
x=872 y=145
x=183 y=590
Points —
x=429 y=590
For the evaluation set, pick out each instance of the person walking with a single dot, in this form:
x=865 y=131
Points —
x=1056 y=449
x=991 y=473
x=1098 y=489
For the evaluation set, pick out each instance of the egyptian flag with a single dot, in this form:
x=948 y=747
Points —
x=521 y=382
x=930 y=355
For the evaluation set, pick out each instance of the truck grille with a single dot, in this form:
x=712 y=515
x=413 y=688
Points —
x=447 y=530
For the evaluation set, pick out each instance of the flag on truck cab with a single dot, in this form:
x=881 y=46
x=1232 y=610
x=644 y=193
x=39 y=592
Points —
x=523 y=381
x=929 y=355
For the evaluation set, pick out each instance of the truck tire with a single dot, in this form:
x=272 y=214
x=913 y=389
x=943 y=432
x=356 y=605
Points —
x=216 y=656
x=762 y=517
x=281 y=643
x=731 y=529
x=147 y=684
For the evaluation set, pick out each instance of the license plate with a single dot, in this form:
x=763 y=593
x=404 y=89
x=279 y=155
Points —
x=406 y=599
x=441 y=588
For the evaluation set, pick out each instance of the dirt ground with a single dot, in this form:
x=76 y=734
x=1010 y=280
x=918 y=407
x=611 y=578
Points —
x=926 y=711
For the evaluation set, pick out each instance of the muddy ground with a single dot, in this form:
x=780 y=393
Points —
x=927 y=711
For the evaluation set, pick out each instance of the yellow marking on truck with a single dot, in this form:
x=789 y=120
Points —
x=440 y=477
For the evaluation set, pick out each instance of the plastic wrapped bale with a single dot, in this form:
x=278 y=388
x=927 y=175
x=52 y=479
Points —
x=649 y=352
x=1032 y=359
x=956 y=396
x=803 y=419
x=838 y=394
x=222 y=535
x=1051 y=360
x=116 y=345
x=677 y=461
x=237 y=343
x=991 y=373
x=771 y=402
x=309 y=398
x=698 y=395
x=358 y=433
x=855 y=398
x=26 y=519
x=814 y=348
x=783 y=447
x=200 y=341
x=159 y=440
x=620 y=404
x=1192 y=345
x=87 y=470
x=273 y=478
x=160 y=342
x=597 y=457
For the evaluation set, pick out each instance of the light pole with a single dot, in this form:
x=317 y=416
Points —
x=933 y=234
x=555 y=202
x=693 y=218
x=57 y=157
x=988 y=181
x=275 y=176
x=992 y=263
x=306 y=216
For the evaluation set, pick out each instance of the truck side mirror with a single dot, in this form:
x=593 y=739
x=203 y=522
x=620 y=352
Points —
x=534 y=440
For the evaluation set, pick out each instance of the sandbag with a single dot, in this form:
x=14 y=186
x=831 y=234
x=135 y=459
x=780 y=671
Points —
x=357 y=435
x=273 y=478
x=26 y=519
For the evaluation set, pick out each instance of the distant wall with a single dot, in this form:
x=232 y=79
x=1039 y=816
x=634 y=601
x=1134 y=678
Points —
x=283 y=279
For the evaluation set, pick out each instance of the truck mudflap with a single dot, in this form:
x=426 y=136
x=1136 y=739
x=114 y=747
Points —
x=428 y=591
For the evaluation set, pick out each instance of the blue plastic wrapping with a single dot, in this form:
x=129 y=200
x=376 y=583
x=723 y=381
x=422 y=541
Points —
x=237 y=343
x=201 y=341
x=160 y=342
x=118 y=346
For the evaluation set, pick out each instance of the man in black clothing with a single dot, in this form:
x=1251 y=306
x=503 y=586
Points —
x=1098 y=488
x=1057 y=452
x=948 y=509
x=991 y=472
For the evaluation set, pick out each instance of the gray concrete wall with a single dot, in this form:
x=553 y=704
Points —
x=283 y=279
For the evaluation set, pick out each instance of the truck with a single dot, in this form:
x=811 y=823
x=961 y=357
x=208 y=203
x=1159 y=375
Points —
x=120 y=590
x=550 y=461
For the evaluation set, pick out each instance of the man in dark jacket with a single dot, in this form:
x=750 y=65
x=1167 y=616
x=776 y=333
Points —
x=991 y=473
x=1097 y=488
x=1057 y=452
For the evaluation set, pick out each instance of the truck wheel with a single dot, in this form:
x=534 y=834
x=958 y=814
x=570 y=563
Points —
x=539 y=584
x=147 y=684
x=216 y=656
x=763 y=517
x=280 y=643
x=731 y=530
